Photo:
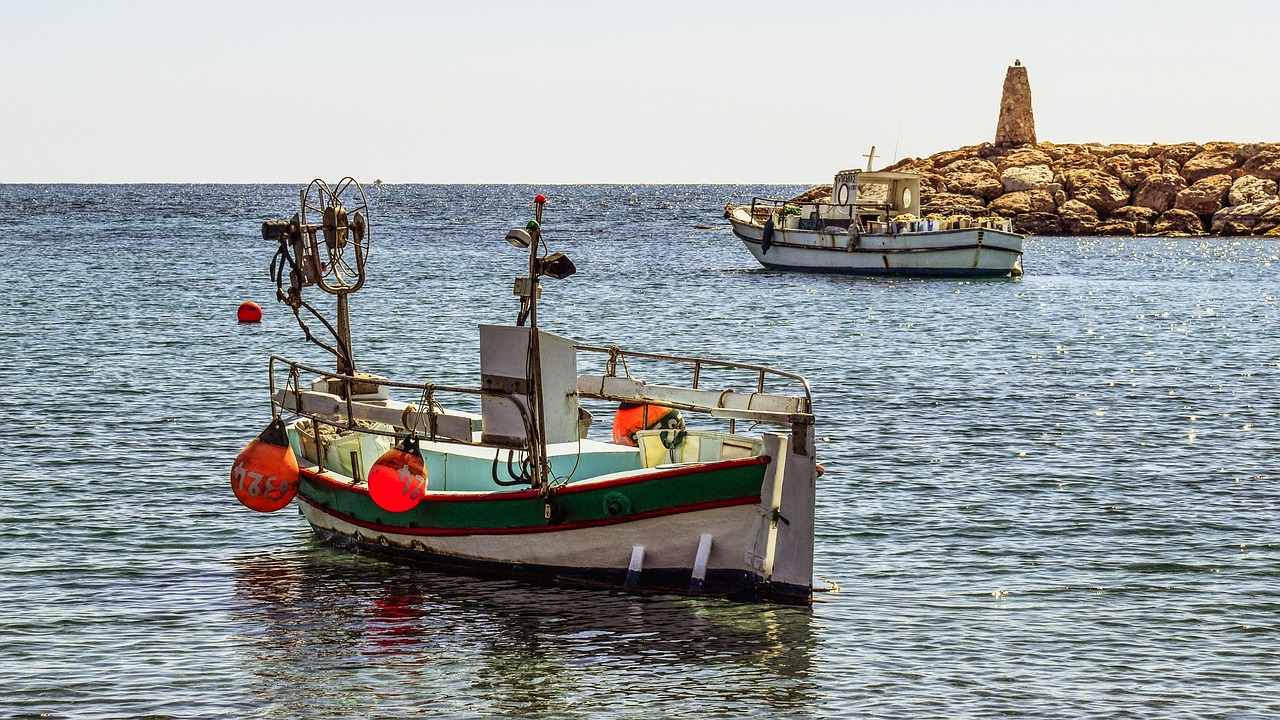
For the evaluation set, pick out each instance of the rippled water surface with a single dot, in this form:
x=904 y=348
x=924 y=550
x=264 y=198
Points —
x=1054 y=497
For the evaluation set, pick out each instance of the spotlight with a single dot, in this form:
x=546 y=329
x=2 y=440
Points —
x=556 y=266
x=520 y=238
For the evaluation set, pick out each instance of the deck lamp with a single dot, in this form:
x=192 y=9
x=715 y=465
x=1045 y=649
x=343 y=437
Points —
x=557 y=266
x=520 y=238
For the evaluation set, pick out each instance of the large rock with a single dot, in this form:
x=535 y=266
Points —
x=1115 y=228
x=1130 y=170
x=1026 y=177
x=1038 y=223
x=1141 y=217
x=1241 y=219
x=1250 y=189
x=944 y=159
x=932 y=182
x=972 y=166
x=1231 y=148
x=1078 y=218
x=1208 y=163
x=1206 y=196
x=973 y=176
x=1178 y=222
x=1269 y=223
x=992 y=152
x=951 y=203
x=1079 y=160
x=1248 y=151
x=979 y=185
x=1265 y=164
x=1022 y=157
x=1179 y=153
x=1097 y=189
x=1158 y=192
x=1020 y=203
x=1134 y=150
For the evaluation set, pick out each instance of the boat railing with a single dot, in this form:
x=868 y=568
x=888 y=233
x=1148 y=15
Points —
x=760 y=404
x=763 y=206
x=372 y=411
x=363 y=412
x=842 y=214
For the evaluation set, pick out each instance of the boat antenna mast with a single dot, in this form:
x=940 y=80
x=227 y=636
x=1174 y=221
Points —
x=325 y=244
x=556 y=266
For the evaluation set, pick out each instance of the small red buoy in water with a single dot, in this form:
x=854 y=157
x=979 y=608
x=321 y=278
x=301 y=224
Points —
x=634 y=417
x=264 y=476
x=540 y=199
x=818 y=470
x=398 y=480
x=250 y=312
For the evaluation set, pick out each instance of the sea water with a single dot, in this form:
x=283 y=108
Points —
x=1050 y=497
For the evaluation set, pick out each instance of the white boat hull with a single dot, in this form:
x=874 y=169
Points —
x=969 y=252
x=670 y=544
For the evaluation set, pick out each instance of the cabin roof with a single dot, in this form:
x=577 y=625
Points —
x=880 y=175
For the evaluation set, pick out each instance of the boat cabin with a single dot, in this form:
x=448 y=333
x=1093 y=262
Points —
x=868 y=197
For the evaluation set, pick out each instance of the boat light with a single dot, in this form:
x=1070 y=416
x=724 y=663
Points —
x=520 y=238
x=557 y=266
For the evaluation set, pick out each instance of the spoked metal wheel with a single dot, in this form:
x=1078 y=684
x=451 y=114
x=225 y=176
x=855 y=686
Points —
x=342 y=212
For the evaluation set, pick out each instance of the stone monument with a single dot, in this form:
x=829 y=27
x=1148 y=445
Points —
x=1016 y=126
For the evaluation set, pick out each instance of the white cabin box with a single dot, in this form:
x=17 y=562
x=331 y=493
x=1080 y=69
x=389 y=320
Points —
x=504 y=365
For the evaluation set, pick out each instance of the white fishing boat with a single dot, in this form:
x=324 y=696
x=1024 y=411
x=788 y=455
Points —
x=683 y=497
x=870 y=224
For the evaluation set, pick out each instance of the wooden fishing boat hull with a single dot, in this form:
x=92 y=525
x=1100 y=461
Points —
x=692 y=530
x=968 y=253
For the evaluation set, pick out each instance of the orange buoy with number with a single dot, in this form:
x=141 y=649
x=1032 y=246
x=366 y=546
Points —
x=264 y=476
x=398 y=480
x=634 y=417
x=249 y=312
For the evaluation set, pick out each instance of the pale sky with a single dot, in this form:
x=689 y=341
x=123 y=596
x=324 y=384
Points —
x=646 y=91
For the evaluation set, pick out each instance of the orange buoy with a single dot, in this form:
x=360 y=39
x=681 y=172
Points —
x=249 y=312
x=634 y=417
x=398 y=480
x=264 y=476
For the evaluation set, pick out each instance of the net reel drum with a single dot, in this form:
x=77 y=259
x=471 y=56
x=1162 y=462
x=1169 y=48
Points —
x=326 y=244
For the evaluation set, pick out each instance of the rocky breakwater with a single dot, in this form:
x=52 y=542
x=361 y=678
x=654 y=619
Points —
x=1218 y=188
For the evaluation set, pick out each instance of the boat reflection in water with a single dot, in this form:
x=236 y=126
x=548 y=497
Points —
x=325 y=628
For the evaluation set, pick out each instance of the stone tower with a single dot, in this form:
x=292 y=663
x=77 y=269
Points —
x=1016 y=126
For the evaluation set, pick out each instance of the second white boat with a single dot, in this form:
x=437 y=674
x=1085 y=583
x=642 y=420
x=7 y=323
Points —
x=870 y=224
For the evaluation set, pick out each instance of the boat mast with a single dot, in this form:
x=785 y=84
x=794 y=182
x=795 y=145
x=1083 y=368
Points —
x=336 y=265
x=538 y=444
x=557 y=267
